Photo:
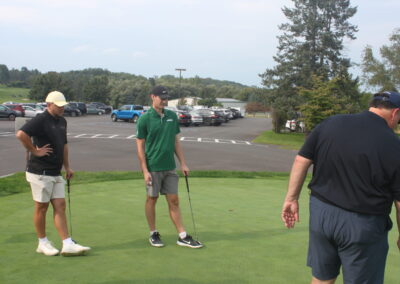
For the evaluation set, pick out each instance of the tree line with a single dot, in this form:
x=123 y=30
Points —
x=101 y=85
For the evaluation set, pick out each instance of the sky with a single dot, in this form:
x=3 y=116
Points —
x=226 y=40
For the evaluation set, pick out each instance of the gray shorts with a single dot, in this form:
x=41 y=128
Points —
x=357 y=242
x=164 y=182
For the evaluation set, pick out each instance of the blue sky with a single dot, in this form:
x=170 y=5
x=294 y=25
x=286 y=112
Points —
x=226 y=40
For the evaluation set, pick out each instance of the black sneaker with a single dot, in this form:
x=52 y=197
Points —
x=155 y=240
x=189 y=242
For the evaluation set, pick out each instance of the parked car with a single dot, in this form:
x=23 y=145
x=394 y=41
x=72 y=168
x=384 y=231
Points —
x=17 y=108
x=6 y=112
x=211 y=117
x=108 y=109
x=184 y=117
x=71 y=110
x=197 y=118
x=92 y=109
x=31 y=112
x=129 y=113
x=295 y=125
x=236 y=113
x=81 y=106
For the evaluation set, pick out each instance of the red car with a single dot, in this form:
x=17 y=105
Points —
x=17 y=108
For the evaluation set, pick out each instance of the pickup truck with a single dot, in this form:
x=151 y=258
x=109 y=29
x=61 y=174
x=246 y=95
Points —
x=129 y=113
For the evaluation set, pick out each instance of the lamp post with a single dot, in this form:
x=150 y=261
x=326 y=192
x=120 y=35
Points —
x=180 y=79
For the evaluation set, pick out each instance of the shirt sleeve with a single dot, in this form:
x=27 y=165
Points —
x=33 y=127
x=308 y=148
x=141 y=129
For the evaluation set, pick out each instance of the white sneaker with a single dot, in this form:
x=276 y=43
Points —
x=47 y=248
x=74 y=249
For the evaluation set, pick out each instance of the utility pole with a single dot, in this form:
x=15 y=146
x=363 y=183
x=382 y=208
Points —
x=180 y=80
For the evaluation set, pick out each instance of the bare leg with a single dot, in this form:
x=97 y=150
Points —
x=174 y=211
x=60 y=220
x=150 y=210
x=39 y=218
x=317 y=281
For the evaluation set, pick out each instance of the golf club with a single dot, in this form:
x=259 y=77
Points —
x=69 y=207
x=191 y=209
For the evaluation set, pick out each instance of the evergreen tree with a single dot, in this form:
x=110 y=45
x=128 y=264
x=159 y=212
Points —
x=311 y=44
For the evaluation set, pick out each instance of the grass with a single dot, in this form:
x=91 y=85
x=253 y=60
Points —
x=237 y=219
x=18 y=95
x=287 y=140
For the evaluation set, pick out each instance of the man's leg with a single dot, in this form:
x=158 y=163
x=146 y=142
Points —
x=39 y=218
x=317 y=281
x=60 y=219
x=150 y=210
x=174 y=211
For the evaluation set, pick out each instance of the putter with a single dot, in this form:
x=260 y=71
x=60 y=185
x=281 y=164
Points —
x=191 y=209
x=69 y=207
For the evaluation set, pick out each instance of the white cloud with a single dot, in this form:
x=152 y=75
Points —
x=82 y=48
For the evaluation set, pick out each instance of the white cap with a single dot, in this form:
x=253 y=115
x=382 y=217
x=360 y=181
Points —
x=56 y=98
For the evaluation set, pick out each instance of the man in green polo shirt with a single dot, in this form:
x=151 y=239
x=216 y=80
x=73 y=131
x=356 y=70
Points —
x=157 y=142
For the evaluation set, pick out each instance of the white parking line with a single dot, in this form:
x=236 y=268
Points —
x=6 y=133
x=185 y=139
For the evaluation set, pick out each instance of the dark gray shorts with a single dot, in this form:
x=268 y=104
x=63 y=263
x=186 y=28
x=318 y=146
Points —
x=357 y=242
x=164 y=182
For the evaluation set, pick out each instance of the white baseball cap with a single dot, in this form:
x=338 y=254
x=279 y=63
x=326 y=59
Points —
x=56 y=98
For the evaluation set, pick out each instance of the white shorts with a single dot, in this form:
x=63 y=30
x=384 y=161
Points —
x=44 y=188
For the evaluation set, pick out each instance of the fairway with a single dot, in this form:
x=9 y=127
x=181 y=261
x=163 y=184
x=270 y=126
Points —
x=238 y=219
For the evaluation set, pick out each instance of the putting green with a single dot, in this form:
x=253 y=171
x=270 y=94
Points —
x=238 y=219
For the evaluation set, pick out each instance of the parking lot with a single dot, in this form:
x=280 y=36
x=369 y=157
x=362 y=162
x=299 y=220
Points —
x=98 y=144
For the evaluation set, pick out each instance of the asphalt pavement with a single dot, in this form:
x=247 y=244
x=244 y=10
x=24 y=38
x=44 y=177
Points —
x=98 y=144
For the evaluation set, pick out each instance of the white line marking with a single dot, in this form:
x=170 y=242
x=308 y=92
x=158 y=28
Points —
x=80 y=135
x=216 y=140
x=130 y=137
x=112 y=136
x=96 y=135
x=233 y=142
x=199 y=139
x=182 y=139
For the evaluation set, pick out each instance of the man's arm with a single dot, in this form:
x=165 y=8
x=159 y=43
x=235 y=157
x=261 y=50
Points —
x=181 y=157
x=290 y=209
x=27 y=143
x=140 y=146
x=68 y=172
x=397 y=205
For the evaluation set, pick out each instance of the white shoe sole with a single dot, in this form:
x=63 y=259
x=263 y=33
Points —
x=42 y=252
x=156 y=245
x=187 y=245
x=78 y=253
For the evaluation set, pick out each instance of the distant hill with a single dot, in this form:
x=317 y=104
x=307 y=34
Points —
x=10 y=94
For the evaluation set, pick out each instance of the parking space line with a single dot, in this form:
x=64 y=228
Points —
x=199 y=139
x=6 y=133
x=80 y=135
x=131 y=137
x=112 y=136
x=96 y=135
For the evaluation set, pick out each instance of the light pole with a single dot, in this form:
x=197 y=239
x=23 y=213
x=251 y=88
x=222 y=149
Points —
x=180 y=79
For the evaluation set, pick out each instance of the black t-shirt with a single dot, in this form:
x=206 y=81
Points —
x=46 y=129
x=356 y=161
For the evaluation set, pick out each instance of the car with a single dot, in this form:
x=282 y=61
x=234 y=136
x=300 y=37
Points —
x=81 y=106
x=31 y=112
x=184 y=117
x=71 y=110
x=92 y=109
x=129 y=113
x=197 y=118
x=295 y=125
x=108 y=109
x=6 y=112
x=17 y=108
x=211 y=117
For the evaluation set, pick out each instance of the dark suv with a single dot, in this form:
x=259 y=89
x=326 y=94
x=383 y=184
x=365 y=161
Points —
x=80 y=106
x=71 y=110
x=107 y=109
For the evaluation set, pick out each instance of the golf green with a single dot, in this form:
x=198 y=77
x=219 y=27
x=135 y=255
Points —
x=238 y=219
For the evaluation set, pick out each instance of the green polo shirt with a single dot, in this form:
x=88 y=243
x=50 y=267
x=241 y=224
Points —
x=159 y=134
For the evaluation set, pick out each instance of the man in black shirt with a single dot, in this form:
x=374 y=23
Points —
x=48 y=153
x=356 y=179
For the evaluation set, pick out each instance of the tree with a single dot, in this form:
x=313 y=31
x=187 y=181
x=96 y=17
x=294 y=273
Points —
x=384 y=74
x=311 y=44
x=97 y=89
x=254 y=107
x=324 y=99
x=4 y=74
x=51 y=81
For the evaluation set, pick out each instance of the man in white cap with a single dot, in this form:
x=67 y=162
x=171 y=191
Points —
x=45 y=139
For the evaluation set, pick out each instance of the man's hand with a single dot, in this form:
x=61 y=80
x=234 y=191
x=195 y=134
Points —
x=69 y=173
x=185 y=170
x=147 y=178
x=43 y=151
x=290 y=213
